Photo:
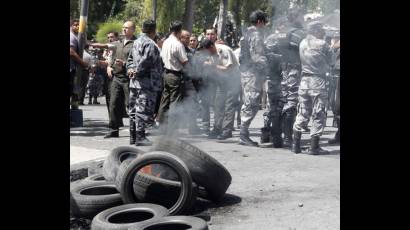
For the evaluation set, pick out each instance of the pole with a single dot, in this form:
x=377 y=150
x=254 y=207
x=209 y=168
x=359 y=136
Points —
x=76 y=115
x=154 y=10
x=82 y=38
x=222 y=19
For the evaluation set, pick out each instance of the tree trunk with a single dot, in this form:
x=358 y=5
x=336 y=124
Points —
x=237 y=15
x=189 y=15
x=114 y=4
x=154 y=10
x=222 y=19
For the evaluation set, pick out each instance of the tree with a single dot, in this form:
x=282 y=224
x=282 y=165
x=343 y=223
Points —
x=205 y=14
x=98 y=12
x=189 y=15
x=222 y=19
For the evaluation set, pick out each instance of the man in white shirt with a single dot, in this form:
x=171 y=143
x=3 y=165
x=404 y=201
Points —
x=226 y=74
x=174 y=57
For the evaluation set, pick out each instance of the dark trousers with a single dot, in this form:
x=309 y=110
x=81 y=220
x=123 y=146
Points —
x=119 y=97
x=72 y=76
x=83 y=84
x=107 y=92
x=171 y=96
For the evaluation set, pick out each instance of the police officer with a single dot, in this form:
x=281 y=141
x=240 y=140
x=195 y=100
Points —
x=119 y=91
x=272 y=128
x=286 y=44
x=316 y=58
x=336 y=99
x=253 y=65
x=144 y=68
x=226 y=74
x=190 y=94
x=174 y=57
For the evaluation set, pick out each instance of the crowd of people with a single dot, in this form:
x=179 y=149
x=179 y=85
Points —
x=170 y=81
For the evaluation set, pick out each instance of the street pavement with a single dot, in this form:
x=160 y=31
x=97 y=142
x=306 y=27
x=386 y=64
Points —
x=271 y=188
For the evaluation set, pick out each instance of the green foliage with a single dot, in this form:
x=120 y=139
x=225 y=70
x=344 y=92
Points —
x=205 y=14
x=132 y=10
x=167 y=12
x=110 y=13
x=107 y=27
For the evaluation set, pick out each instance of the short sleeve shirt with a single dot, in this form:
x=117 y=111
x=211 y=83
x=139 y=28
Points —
x=173 y=54
x=74 y=45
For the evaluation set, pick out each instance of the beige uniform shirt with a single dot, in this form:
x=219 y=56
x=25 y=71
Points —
x=173 y=54
x=226 y=57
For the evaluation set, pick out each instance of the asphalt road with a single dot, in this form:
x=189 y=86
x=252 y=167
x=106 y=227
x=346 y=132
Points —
x=271 y=188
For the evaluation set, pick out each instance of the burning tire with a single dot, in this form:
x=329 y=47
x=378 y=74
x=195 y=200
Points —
x=89 y=198
x=114 y=159
x=151 y=189
x=128 y=171
x=173 y=222
x=205 y=170
x=125 y=216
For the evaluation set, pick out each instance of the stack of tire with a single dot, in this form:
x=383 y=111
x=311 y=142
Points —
x=126 y=197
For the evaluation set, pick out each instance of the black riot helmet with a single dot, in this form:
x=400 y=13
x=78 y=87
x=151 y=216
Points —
x=149 y=26
x=257 y=15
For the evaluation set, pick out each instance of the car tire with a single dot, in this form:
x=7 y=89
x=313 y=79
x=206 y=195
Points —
x=128 y=171
x=125 y=216
x=91 y=197
x=115 y=158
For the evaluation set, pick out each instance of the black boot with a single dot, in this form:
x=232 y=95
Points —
x=244 y=138
x=133 y=132
x=112 y=133
x=95 y=102
x=90 y=100
x=225 y=135
x=315 y=148
x=265 y=135
x=276 y=132
x=288 y=130
x=297 y=135
x=277 y=141
x=336 y=139
x=141 y=140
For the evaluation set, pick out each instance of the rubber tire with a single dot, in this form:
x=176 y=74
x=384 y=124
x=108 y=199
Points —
x=195 y=223
x=126 y=176
x=88 y=206
x=205 y=170
x=151 y=189
x=101 y=220
x=95 y=177
x=115 y=158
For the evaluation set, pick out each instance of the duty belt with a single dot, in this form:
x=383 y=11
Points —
x=178 y=73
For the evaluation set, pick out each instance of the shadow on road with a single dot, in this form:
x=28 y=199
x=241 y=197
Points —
x=226 y=204
x=90 y=128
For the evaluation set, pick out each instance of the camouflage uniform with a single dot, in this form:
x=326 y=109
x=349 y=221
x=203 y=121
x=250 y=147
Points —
x=95 y=83
x=315 y=55
x=273 y=89
x=336 y=97
x=145 y=60
x=253 y=63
